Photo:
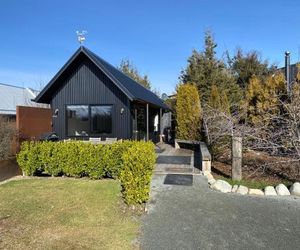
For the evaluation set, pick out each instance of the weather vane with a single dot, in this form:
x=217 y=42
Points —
x=81 y=36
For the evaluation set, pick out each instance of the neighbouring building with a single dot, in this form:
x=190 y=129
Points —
x=91 y=98
x=13 y=96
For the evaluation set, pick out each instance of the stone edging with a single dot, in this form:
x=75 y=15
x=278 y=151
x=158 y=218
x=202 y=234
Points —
x=225 y=187
x=14 y=178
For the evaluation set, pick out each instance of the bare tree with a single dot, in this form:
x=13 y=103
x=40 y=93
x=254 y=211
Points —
x=277 y=133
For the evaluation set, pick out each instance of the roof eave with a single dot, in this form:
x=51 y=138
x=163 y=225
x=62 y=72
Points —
x=163 y=106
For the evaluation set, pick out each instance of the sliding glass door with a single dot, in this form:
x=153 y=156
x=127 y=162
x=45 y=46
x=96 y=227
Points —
x=89 y=120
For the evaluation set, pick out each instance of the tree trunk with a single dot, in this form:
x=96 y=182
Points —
x=236 y=158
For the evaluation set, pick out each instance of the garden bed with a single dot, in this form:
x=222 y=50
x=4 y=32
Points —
x=259 y=169
x=9 y=168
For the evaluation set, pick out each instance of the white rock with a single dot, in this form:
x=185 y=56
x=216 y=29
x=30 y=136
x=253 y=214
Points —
x=222 y=186
x=242 y=190
x=255 y=191
x=234 y=188
x=269 y=190
x=282 y=190
x=295 y=189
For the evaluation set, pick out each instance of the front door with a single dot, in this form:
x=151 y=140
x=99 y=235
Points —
x=139 y=123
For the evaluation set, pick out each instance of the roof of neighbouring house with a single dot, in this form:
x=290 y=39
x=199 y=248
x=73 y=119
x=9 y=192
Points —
x=132 y=89
x=12 y=96
x=293 y=71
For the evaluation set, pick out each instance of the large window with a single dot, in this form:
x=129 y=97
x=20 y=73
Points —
x=101 y=119
x=87 y=120
x=78 y=120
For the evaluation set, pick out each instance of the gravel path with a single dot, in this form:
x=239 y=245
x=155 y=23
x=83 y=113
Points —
x=195 y=217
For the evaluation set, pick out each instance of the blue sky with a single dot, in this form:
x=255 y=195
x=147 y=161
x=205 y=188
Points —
x=37 y=37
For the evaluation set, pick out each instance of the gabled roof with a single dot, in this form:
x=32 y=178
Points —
x=12 y=96
x=132 y=89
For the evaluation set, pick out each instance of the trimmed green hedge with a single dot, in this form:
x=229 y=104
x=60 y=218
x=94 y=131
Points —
x=135 y=176
x=130 y=161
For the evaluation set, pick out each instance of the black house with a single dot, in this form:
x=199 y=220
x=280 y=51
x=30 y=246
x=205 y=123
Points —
x=91 y=98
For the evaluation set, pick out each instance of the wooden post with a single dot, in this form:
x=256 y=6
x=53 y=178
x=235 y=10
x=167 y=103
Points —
x=135 y=130
x=236 y=161
x=147 y=121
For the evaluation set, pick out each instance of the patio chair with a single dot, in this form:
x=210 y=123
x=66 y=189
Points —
x=94 y=140
x=110 y=139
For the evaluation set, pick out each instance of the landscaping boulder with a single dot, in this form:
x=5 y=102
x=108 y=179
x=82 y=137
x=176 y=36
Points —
x=295 y=189
x=222 y=186
x=234 y=188
x=282 y=190
x=242 y=190
x=255 y=191
x=269 y=190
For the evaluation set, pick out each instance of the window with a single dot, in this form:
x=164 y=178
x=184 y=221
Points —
x=86 y=120
x=78 y=120
x=101 y=119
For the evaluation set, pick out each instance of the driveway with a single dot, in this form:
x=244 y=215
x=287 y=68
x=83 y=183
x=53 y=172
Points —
x=192 y=216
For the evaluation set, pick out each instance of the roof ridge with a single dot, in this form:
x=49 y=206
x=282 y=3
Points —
x=10 y=85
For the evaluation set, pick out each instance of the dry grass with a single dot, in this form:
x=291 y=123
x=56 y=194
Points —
x=259 y=169
x=64 y=214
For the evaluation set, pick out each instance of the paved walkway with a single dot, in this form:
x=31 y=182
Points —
x=192 y=216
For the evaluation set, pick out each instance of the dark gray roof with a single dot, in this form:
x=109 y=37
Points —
x=132 y=89
x=293 y=71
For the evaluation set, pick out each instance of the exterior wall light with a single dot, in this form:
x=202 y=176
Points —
x=55 y=113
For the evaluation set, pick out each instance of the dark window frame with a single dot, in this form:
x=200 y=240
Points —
x=90 y=134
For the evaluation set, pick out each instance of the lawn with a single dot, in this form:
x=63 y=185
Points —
x=61 y=213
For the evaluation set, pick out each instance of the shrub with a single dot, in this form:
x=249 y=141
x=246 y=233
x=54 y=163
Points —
x=75 y=155
x=188 y=112
x=112 y=157
x=92 y=158
x=7 y=133
x=135 y=176
x=131 y=162
x=29 y=158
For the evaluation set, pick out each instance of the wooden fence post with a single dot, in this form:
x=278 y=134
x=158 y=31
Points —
x=236 y=158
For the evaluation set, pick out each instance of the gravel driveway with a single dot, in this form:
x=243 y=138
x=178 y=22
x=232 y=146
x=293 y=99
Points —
x=195 y=217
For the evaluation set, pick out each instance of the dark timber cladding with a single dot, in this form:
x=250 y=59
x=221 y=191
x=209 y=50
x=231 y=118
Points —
x=87 y=85
x=87 y=80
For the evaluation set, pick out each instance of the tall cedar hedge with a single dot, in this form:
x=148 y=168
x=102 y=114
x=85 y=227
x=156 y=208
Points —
x=188 y=112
